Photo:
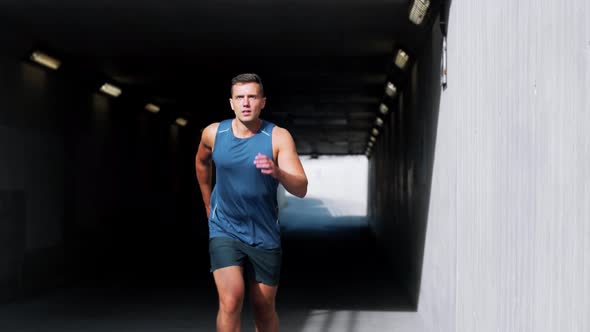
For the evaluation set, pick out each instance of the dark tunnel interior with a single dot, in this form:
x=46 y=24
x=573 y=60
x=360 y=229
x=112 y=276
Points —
x=100 y=212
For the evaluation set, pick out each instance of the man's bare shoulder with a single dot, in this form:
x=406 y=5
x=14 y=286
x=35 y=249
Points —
x=212 y=128
x=208 y=136
x=281 y=133
x=282 y=139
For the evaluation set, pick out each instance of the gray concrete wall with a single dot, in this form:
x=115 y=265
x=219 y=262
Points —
x=87 y=183
x=508 y=237
x=32 y=199
x=507 y=243
x=401 y=168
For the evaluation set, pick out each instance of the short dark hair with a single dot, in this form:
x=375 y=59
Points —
x=246 y=78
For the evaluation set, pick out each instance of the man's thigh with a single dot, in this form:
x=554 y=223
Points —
x=263 y=296
x=264 y=266
x=227 y=266
x=225 y=252
x=230 y=283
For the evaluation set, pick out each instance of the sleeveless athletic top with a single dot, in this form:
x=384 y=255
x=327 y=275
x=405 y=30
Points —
x=244 y=201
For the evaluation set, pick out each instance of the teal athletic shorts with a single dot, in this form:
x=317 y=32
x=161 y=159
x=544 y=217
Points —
x=263 y=265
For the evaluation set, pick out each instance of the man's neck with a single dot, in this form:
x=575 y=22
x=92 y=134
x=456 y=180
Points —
x=244 y=130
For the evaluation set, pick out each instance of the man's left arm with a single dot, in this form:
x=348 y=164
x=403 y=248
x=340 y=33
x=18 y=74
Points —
x=287 y=169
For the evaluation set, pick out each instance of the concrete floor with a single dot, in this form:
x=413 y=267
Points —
x=332 y=280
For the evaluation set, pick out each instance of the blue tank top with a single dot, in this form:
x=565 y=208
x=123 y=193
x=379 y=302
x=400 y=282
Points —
x=244 y=201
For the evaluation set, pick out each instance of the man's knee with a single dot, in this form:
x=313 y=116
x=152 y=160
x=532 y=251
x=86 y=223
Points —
x=231 y=303
x=264 y=308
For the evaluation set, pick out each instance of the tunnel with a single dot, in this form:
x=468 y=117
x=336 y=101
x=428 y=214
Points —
x=102 y=223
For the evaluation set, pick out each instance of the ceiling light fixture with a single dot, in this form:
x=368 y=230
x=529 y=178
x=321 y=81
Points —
x=370 y=144
x=383 y=109
x=379 y=122
x=111 y=90
x=390 y=90
x=45 y=60
x=181 y=122
x=418 y=11
x=152 y=108
x=373 y=139
x=401 y=59
x=375 y=132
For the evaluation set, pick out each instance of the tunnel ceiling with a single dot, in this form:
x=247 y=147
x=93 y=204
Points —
x=324 y=63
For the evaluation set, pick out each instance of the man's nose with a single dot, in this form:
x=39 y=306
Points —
x=246 y=102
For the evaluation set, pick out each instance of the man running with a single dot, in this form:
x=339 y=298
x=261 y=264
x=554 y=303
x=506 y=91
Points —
x=252 y=157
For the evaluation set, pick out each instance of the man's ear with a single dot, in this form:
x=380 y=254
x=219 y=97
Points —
x=231 y=104
x=263 y=102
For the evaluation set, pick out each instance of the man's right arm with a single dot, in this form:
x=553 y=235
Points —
x=203 y=163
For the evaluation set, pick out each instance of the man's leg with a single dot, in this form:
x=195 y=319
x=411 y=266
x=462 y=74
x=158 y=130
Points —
x=230 y=287
x=263 y=301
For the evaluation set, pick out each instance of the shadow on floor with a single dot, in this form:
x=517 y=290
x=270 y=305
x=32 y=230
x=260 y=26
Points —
x=333 y=262
x=333 y=279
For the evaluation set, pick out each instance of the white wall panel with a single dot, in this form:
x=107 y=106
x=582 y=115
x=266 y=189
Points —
x=516 y=186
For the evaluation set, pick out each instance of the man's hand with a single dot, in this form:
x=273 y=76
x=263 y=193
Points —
x=266 y=165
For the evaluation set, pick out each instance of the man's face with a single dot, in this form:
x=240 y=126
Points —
x=247 y=101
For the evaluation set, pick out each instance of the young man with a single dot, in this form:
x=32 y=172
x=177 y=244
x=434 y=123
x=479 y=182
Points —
x=252 y=157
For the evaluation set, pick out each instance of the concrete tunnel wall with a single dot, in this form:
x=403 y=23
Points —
x=32 y=197
x=401 y=168
x=89 y=189
x=507 y=244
